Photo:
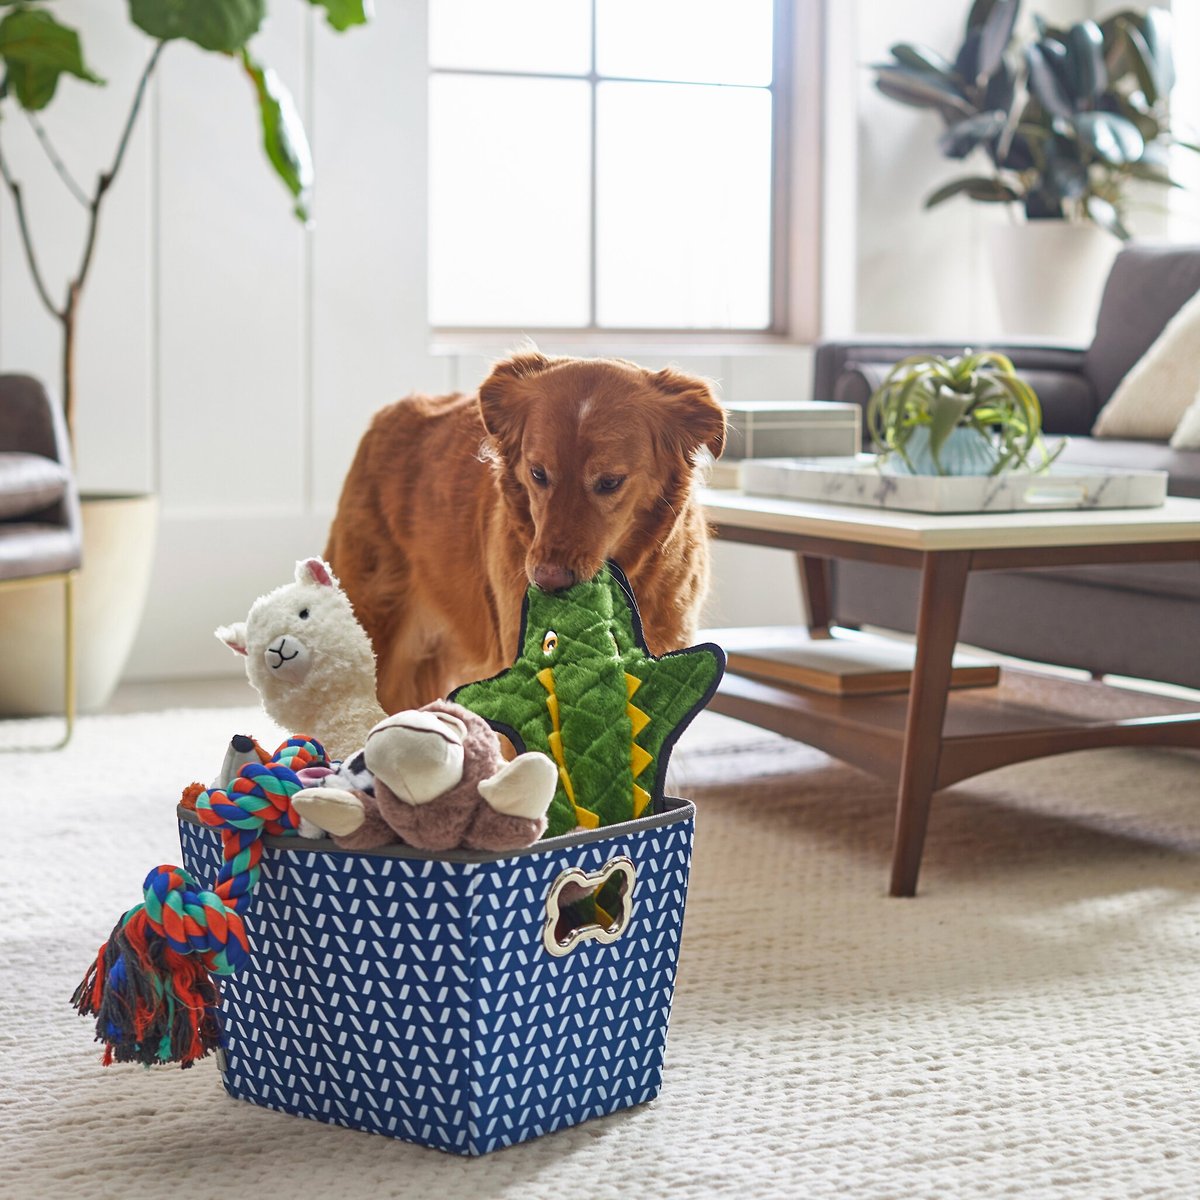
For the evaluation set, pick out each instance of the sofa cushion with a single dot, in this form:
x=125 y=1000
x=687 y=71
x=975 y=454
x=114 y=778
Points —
x=1182 y=466
x=29 y=483
x=28 y=550
x=1151 y=400
x=1146 y=287
x=1187 y=432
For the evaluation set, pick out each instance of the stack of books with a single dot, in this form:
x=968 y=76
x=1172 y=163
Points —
x=846 y=664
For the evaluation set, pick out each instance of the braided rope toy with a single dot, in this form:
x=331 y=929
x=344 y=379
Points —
x=150 y=987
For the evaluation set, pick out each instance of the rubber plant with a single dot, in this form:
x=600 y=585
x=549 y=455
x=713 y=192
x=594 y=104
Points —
x=978 y=391
x=37 y=50
x=1066 y=120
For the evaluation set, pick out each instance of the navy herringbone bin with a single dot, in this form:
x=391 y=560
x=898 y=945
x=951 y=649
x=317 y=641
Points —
x=445 y=999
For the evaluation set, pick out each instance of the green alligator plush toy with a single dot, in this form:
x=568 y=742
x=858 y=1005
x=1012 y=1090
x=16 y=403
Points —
x=586 y=691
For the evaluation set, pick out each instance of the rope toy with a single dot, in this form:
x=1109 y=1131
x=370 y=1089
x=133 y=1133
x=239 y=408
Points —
x=150 y=987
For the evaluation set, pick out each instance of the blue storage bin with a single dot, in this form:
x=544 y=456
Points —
x=443 y=999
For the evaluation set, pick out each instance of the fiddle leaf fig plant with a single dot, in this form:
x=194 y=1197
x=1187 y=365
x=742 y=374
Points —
x=1065 y=121
x=37 y=50
x=928 y=398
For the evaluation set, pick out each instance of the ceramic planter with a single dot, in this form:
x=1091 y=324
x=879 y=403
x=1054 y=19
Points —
x=119 y=534
x=965 y=452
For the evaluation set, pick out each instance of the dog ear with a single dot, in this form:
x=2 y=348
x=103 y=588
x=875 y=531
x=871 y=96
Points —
x=695 y=416
x=502 y=413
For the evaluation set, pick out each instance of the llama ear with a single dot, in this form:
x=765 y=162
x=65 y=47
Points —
x=695 y=417
x=502 y=410
x=234 y=636
x=314 y=570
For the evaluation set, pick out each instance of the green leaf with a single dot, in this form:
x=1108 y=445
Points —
x=284 y=138
x=1156 y=25
x=34 y=86
x=225 y=25
x=995 y=35
x=341 y=14
x=945 y=411
x=1106 y=216
x=1085 y=60
x=921 y=58
x=919 y=88
x=36 y=50
x=1141 y=59
x=960 y=139
x=977 y=187
x=1044 y=83
x=1065 y=177
x=1112 y=138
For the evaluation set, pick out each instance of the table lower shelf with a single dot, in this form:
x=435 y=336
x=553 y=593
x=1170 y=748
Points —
x=1028 y=714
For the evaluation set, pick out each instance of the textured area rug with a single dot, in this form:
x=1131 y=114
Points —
x=1028 y=1026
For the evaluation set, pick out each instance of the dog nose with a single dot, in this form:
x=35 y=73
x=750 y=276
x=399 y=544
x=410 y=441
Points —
x=552 y=578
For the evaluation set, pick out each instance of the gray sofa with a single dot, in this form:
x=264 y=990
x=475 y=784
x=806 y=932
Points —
x=1141 y=621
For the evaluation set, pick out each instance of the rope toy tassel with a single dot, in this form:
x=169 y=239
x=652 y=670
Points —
x=150 y=986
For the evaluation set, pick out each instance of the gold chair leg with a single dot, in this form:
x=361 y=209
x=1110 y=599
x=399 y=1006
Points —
x=69 y=682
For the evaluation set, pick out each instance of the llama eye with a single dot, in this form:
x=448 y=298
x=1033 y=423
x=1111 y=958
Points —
x=550 y=642
x=304 y=614
x=539 y=476
x=609 y=483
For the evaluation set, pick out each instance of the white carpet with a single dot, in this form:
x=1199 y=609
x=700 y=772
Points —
x=1027 y=1027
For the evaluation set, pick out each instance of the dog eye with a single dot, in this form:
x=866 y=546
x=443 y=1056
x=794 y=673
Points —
x=609 y=483
x=304 y=614
x=539 y=476
x=550 y=642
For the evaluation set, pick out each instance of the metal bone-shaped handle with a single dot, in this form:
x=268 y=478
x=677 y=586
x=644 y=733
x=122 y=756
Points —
x=577 y=883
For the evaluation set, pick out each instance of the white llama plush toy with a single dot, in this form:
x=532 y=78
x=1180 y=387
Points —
x=310 y=660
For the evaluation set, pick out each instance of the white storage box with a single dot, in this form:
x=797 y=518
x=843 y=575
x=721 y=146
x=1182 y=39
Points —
x=781 y=430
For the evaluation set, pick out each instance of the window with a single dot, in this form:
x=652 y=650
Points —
x=611 y=164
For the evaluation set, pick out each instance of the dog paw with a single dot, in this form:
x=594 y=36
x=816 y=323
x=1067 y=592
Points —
x=523 y=787
x=331 y=810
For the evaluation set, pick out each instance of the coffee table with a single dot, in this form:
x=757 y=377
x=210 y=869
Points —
x=930 y=738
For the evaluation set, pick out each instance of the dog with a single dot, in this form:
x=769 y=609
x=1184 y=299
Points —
x=455 y=504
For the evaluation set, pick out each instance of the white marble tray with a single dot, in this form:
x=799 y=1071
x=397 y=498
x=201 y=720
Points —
x=857 y=480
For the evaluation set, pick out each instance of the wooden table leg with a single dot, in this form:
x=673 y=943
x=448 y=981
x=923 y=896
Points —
x=814 y=579
x=943 y=583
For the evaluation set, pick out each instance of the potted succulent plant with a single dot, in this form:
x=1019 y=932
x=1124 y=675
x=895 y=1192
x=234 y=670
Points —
x=967 y=415
x=37 y=51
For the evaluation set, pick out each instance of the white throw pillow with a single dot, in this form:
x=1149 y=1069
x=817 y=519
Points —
x=1187 y=432
x=1151 y=400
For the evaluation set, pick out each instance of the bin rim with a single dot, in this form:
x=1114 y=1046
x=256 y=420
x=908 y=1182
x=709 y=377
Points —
x=673 y=809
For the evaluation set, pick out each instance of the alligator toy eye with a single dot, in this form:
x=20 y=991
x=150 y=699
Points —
x=304 y=614
x=550 y=642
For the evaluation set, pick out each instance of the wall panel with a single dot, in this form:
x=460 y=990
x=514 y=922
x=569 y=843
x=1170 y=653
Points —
x=232 y=288
x=369 y=329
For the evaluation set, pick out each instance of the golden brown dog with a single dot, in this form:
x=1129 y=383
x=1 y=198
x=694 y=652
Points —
x=455 y=504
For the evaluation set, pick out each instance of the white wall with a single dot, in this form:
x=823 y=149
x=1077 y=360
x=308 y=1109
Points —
x=230 y=359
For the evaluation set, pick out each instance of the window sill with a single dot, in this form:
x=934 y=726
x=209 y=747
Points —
x=582 y=342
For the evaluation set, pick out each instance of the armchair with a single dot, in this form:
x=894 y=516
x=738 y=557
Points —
x=1141 y=621
x=40 y=527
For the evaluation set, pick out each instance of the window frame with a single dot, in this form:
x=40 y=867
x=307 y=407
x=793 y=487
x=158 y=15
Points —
x=797 y=140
